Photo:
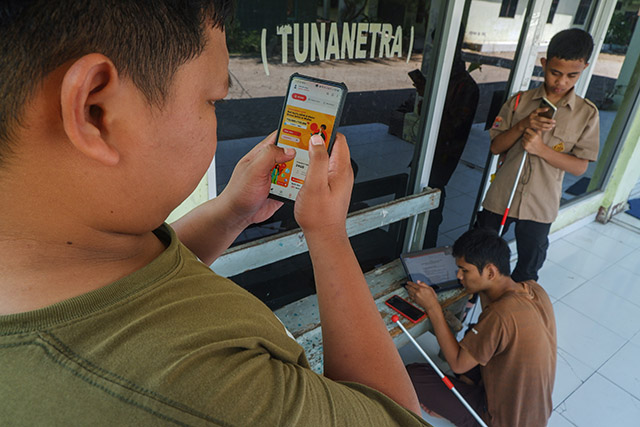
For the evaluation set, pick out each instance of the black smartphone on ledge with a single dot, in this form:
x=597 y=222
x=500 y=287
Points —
x=312 y=107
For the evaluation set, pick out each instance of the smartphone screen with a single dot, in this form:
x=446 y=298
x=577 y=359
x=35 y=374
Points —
x=312 y=107
x=403 y=307
x=551 y=112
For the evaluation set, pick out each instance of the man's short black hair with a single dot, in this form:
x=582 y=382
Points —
x=147 y=40
x=483 y=246
x=572 y=44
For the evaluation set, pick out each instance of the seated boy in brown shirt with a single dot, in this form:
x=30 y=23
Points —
x=513 y=343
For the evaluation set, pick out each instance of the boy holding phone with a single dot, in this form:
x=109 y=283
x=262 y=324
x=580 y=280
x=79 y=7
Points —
x=107 y=315
x=566 y=143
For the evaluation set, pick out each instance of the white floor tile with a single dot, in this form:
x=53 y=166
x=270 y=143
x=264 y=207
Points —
x=558 y=420
x=631 y=262
x=627 y=219
x=619 y=233
x=606 y=308
x=561 y=249
x=601 y=403
x=435 y=421
x=599 y=244
x=557 y=280
x=623 y=369
x=570 y=374
x=579 y=261
x=583 y=338
x=621 y=282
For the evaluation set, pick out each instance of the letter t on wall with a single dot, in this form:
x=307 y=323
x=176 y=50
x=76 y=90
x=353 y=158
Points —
x=284 y=31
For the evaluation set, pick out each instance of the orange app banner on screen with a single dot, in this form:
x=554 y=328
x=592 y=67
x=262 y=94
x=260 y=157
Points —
x=311 y=109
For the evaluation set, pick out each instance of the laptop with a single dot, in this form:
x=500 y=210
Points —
x=435 y=267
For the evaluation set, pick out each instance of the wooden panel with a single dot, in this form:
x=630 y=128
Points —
x=265 y=251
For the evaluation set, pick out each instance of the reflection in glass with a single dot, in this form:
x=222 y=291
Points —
x=380 y=134
x=606 y=89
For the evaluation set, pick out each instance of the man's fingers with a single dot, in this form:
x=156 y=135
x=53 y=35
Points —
x=269 y=155
x=318 y=163
x=269 y=140
x=340 y=161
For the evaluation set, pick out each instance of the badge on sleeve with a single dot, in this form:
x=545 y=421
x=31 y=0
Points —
x=497 y=122
x=559 y=147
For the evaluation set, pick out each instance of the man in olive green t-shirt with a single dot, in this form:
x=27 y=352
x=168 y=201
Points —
x=107 y=122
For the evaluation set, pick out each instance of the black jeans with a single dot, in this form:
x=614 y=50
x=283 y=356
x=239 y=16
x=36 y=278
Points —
x=532 y=242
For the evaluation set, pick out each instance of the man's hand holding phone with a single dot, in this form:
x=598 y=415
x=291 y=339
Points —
x=247 y=191
x=209 y=229
x=322 y=204
x=357 y=345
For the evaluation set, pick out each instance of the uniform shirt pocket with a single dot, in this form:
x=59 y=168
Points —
x=563 y=139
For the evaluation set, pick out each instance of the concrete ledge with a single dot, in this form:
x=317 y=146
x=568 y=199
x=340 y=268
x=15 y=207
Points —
x=302 y=318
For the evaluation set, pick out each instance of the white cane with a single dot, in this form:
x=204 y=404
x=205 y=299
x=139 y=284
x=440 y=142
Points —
x=513 y=192
x=444 y=379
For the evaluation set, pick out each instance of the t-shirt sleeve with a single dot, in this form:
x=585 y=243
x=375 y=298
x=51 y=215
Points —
x=263 y=390
x=246 y=370
x=486 y=338
x=589 y=142
x=502 y=122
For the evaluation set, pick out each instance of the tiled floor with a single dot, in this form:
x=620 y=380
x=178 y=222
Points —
x=593 y=278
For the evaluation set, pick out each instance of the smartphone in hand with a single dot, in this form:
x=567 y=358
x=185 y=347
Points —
x=551 y=112
x=312 y=107
x=406 y=309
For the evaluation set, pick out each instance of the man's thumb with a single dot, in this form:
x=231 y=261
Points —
x=317 y=149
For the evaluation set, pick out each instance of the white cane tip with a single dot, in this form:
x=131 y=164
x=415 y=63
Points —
x=395 y=318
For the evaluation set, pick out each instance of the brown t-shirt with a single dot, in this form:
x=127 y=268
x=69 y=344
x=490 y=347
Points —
x=537 y=196
x=515 y=343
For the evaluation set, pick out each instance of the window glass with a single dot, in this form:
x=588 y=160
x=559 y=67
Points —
x=552 y=11
x=607 y=88
x=487 y=52
x=582 y=12
x=371 y=46
x=508 y=8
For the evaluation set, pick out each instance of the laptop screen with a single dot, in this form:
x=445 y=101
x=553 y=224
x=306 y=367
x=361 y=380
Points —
x=432 y=266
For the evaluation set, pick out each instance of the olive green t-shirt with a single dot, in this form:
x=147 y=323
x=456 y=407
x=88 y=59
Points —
x=172 y=343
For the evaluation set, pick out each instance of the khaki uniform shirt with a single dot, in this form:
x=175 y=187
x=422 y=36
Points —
x=515 y=343
x=537 y=197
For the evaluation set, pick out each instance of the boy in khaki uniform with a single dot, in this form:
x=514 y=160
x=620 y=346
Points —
x=566 y=143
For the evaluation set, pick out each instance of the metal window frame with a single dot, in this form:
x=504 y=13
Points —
x=520 y=77
x=436 y=66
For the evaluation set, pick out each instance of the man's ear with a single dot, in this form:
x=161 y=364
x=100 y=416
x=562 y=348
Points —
x=490 y=271
x=543 y=62
x=89 y=84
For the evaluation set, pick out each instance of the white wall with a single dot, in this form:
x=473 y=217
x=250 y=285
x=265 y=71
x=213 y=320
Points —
x=491 y=33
